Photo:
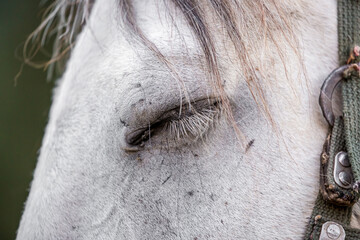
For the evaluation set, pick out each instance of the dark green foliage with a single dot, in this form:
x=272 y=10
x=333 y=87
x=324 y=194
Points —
x=23 y=111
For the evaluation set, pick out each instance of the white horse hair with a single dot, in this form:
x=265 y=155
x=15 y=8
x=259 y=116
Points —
x=183 y=120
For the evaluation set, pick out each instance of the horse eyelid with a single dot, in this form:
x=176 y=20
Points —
x=191 y=125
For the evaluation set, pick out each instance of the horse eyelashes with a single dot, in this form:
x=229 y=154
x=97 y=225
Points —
x=194 y=126
x=188 y=123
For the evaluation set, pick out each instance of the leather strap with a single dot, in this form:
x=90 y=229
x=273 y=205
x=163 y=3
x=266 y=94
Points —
x=333 y=202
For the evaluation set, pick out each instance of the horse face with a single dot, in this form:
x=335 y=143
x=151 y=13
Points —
x=126 y=156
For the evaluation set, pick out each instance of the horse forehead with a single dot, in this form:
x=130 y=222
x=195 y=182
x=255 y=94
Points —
x=109 y=52
x=164 y=26
x=123 y=55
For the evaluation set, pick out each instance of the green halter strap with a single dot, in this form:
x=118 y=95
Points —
x=331 y=214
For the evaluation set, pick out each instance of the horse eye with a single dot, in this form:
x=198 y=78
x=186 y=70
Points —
x=189 y=121
x=139 y=136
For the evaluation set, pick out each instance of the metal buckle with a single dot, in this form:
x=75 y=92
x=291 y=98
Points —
x=332 y=231
x=343 y=175
x=327 y=90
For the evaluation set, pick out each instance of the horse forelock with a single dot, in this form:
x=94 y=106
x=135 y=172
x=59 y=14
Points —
x=242 y=22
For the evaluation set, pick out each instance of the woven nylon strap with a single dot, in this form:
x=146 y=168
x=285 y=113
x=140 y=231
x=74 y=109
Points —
x=348 y=37
x=345 y=135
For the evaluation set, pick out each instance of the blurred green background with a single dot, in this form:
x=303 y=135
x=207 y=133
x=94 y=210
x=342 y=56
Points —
x=23 y=111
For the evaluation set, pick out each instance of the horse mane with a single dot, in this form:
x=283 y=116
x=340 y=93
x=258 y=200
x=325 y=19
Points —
x=61 y=22
x=242 y=21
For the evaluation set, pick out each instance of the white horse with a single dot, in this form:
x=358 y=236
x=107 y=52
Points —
x=184 y=120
